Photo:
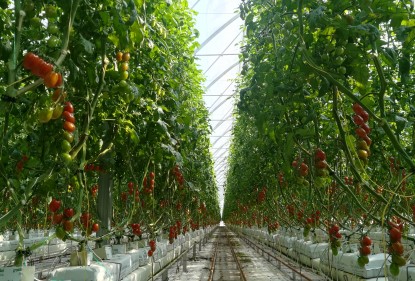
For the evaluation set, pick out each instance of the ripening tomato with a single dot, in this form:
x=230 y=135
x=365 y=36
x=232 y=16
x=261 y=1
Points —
x=58 y=95
x=363 y=154
x=124 y=66
x=123 y=75
x=51 y=79
x=68 y=126
x=68 y=226
x=68 y=136
x=57 y=112
x=45 y=115
x=119 y=56
x=397 y=248
x=126 y=57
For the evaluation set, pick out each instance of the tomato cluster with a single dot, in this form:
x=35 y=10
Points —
x=94 y=190
x=396 y=248
x=261 y=195
x=69 y=127
x=152 y=245
x=42 y=69
x=178 y=176
x=173 y=232
x=360 y=118
x=273 y=226
x=335 y=237
x=302 y=169
x=54 y=205
x=320 y=163
x=136 y=228
x=123 y=67
x=310 y=222
x=348 y=180
x=149 y=187
x=364 y=250
x=21 y=163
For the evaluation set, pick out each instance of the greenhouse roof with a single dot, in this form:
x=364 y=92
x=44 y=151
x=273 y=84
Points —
x=220 y=30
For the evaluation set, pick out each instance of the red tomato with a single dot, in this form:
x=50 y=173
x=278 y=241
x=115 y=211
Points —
x=30 y=61
x=361 y=132
x=397 y=248
x=68 y=212
x=294 y=164
x=57 y=218
x=68 y=116
x=320 y=155
x=366 y=127
x=357 y=108
x=365 y=251
x=152 y=175
x=366 y=241
x=68 y=126
x=321 y=164
x=364 y=115
x=54 y=205
x=395 y=234
x=152 y=243
x=43 y=69
x=149 y=253
x=130 y=184
x=69 y=107
x=95 y=227
x=358 y=120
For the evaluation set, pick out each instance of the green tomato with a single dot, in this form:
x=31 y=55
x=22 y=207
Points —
x=338 y=60
x=35 y=22
x=53 y=28
x=50 y=11
x=342 y=70
x=28 y=6
x=66 y=158
x=123 y=75
x=394 y=269
x=339 y=51
x=53 y=42
x=66 y=146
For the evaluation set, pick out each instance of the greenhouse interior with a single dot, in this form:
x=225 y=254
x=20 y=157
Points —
x=207 y=140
